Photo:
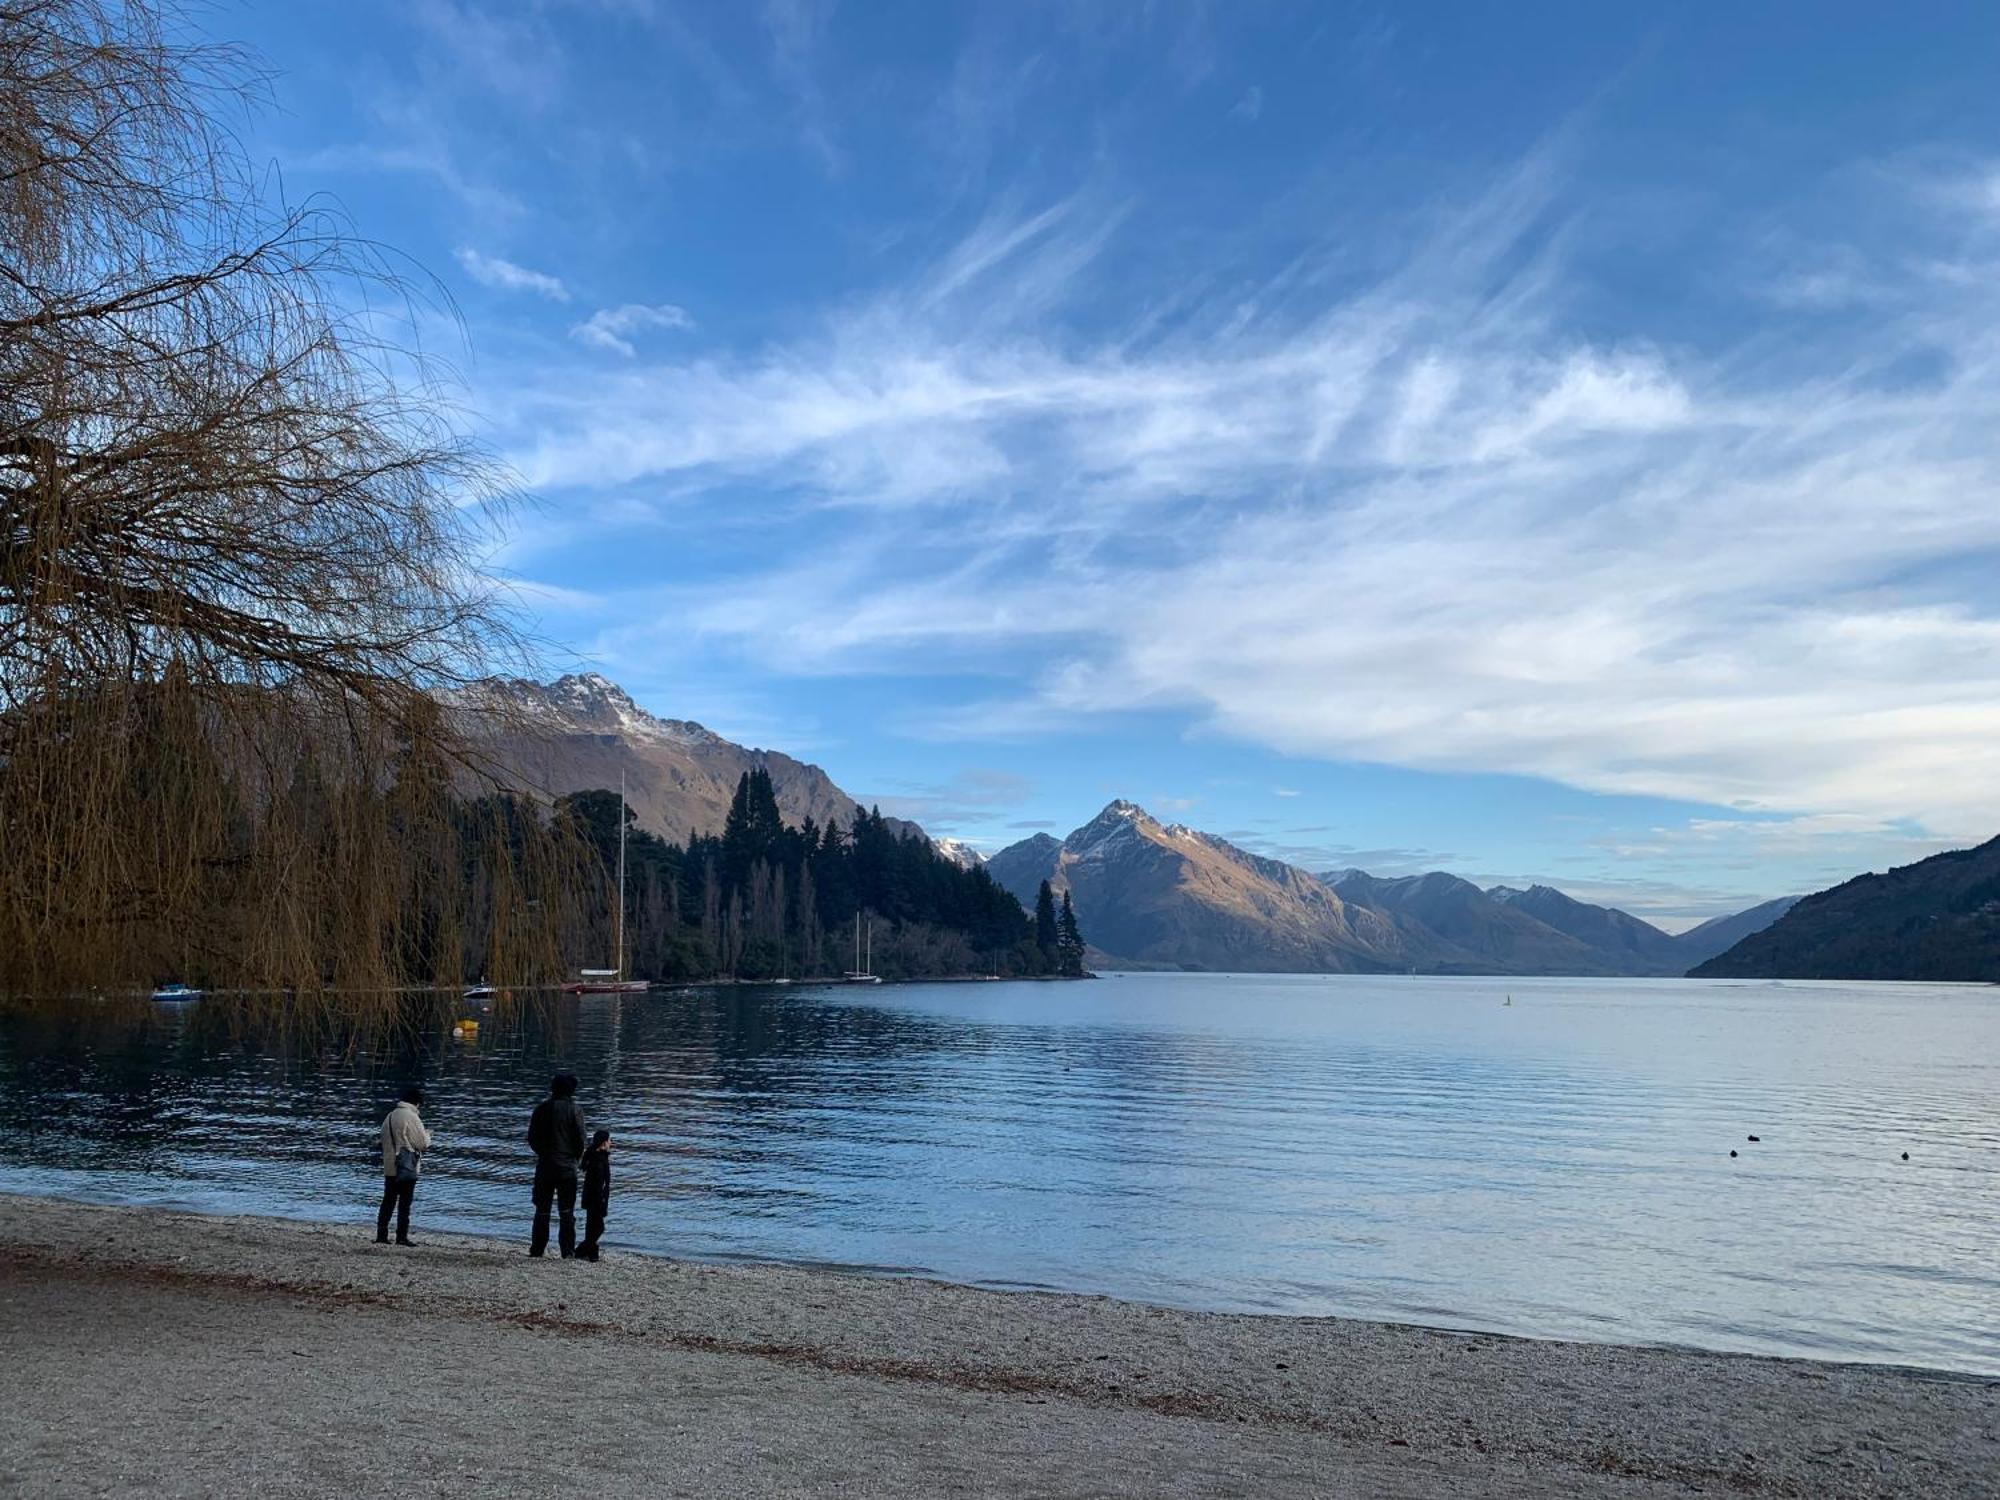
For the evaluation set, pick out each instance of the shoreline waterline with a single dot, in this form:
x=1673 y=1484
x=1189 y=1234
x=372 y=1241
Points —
x=1116 y=1397
x=359 y=1224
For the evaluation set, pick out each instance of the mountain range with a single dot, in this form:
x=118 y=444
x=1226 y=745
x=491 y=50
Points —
x=1168 y=896
x=1149 y=894
x=581 y=732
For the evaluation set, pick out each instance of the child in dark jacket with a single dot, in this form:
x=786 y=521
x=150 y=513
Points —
x=596 y=1192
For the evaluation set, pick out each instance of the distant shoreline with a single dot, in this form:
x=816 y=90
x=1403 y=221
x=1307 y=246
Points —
x=677 y=986
x=475 y=1348
x=546 y=987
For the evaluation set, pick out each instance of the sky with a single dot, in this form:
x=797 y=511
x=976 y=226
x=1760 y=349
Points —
x=1547 y=442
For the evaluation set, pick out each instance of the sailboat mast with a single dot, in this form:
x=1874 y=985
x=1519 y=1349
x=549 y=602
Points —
x=618 y=920
x=868 y=964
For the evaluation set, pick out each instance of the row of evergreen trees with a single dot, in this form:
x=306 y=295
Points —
x=762 y=900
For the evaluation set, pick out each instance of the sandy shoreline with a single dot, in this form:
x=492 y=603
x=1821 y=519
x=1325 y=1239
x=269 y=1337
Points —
x=169 y=1353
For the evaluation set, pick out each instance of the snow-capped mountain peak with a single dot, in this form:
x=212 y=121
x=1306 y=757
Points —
x=959 y=853
x=590 y=703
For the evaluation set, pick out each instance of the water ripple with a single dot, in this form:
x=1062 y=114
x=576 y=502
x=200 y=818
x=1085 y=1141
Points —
x=1392 y=1148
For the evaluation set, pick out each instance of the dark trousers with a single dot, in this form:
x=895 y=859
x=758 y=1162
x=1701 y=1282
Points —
x=396 y=1195
x=555 y=1184
x=593 y=1230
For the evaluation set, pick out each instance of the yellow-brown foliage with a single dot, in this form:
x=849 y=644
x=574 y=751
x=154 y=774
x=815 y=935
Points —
x=239 y=548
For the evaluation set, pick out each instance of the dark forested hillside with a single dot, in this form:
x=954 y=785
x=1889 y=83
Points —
x=764 y=900
x=1936 y=919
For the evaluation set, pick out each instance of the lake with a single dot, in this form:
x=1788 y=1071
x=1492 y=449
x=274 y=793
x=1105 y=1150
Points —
x=1410 y=1149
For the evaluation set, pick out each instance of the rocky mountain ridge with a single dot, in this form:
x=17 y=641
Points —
x=959 y=853
x=1159 y=894
x=1471 y=931
x=1166 y=895
x=582 y=731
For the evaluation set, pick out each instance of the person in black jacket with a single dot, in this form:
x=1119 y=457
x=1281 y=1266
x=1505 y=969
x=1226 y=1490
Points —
x=596 y=1193
x=556 y=1132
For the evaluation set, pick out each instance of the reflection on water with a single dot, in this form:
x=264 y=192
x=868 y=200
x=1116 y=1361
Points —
x=1395 y=1148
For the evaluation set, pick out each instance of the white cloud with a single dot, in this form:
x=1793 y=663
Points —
x=1426 y=522
x=1589 y=394
x=490 y=270
x=1250 y=106
x=611 y=328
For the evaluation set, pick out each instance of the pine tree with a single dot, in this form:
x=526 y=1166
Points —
x=1046 y=933
x=760 y=898
x=1070 y=940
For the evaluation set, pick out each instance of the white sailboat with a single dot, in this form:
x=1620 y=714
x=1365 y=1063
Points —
x=612 y=981
x=863 y=964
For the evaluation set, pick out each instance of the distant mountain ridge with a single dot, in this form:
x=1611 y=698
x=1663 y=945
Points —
x=1472 y=931
x=1937 y=919
x=1719 y=934
x=1149 y=894
x=1169 y=896
x=1603 y=929
x=1165 y=895
x=581 y=731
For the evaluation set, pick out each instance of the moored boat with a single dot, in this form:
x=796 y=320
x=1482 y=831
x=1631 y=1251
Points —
x=605 y=982
x=612 y=981
x=863 y=970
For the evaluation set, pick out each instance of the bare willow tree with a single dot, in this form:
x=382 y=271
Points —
x=238 y=546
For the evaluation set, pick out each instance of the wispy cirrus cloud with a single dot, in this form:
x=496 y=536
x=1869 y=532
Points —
x=612 y=328
x=1430 y=519
x=491 y=270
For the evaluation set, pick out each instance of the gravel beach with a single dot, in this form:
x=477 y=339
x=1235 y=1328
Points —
x=171 y=1354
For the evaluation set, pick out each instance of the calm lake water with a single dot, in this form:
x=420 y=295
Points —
x=1405 y=1149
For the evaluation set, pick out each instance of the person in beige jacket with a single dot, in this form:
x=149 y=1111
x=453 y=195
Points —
x=404 y=1142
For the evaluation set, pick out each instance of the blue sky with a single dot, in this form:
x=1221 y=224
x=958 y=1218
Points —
x=1549 y=442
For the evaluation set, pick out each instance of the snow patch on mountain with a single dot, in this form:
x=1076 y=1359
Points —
x=587 y=703
x=959 y=853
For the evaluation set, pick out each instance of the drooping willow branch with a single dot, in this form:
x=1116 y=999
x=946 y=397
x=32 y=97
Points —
x=239 y=544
